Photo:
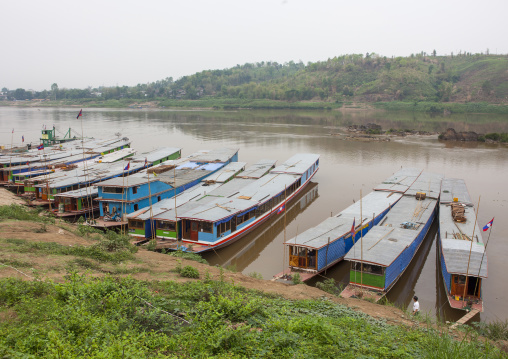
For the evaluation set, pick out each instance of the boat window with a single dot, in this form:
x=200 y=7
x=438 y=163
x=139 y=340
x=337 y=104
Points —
x=112 y=189
x=166 y=225
x=136 y=207
x=136 y=223
x=367 y=268
x=207 y=227
x=134 y=190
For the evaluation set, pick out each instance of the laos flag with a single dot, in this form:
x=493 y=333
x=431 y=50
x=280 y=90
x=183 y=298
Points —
x=488 y=225
x=127 y=167
x=353 y=228
x=281 y=209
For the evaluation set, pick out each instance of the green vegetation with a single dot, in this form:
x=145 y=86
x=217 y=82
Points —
x=107 y=250
x=466 y=82
x=187 y=255
x=296 y=279
x=189 y=272
x=330 y=286
x=124 y=318
x=497 y=330
x=255 y=275
x=21 y=213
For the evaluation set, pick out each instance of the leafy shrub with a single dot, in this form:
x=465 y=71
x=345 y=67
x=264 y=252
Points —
x=21 y=213
x=296 y=279
x=329 y=286
x=189 y=272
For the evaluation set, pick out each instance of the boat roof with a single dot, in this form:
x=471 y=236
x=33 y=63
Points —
x=226 y=173
x=78 y=193
x=456 y=243
x=335 y=227
x=215 y=155
x=67 y=149
x=155 y=155
x=297 y=164
x=219 y=209
x=400 y=181
x=455 y=188
x=429 y=183
x=386 y=241
x=456 y=256
x=95 y=172
x=258 y=169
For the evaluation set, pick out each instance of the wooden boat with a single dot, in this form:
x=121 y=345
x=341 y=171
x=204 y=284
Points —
x=380 y=258
x=77 y=203
x=64 y=154
x=220 y=223
x=160 y=221
x=323 y=246
x=97 y=172
x=463 y=260
x=120 y=196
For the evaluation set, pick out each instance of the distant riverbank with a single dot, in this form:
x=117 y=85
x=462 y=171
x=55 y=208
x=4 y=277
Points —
x=234 y=104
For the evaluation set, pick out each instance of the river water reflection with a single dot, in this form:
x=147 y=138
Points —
x=346 y=168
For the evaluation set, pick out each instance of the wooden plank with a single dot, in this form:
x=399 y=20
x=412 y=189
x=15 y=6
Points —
x=465 y=318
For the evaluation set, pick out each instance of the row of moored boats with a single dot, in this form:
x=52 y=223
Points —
x=209 y=199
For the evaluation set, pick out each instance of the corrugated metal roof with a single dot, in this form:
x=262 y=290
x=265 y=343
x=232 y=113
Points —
x=82 y=192
x=155 y=155
x=226 y=173
x=389 y=247
x=95 y=172
x=168 y=204
x=334 y=227
x=231 y=188
x=268 y=186
x=430 y=183
x=258 y=169
x=455 y=188
x=455 y=249
x=400 y=181
x=456 y=255
x=219 y=209
x=297 y=164
x=215 y=155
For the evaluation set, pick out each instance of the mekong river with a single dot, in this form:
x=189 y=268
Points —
x=346 y=168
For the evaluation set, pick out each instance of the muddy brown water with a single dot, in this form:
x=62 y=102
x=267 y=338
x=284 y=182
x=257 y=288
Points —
x=346 y=168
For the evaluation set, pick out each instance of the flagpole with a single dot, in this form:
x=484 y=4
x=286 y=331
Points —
x=361 y=241
x=176 y=214
x=483 y=255
x=470 y=250
x=284 y=241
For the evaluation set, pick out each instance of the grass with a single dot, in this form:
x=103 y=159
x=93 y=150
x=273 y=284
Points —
x=21 y=213
x=125 y=318
x=104 y=251
x=187 y=255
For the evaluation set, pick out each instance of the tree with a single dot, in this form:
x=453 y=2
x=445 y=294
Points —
x=54 y=90
x=434 y=53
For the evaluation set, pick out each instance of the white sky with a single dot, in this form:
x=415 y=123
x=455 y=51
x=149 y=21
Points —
x=113 y=42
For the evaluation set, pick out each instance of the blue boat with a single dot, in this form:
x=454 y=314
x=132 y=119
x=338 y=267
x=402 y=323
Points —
x=120 y=196
x=379 y=258
x=220 y=223
x=463 y=260
x=326 y=244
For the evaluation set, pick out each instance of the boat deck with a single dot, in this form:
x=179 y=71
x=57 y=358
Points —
x=460 y=304
x=101 y=223
x=287 y=275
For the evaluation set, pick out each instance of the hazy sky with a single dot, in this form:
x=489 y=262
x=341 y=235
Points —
x=112 y=42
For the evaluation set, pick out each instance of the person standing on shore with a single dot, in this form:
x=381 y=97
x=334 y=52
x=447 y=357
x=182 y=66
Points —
x=416 y=305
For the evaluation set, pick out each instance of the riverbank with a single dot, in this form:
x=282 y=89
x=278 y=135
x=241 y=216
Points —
x=443 y=108
x=70 y=282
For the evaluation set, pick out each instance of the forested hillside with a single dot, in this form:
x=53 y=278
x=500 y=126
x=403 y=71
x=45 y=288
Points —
x=464 y=77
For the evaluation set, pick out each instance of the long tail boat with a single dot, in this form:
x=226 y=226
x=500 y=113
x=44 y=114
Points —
x=463 y=260
x=380 y=258
x=326 y=244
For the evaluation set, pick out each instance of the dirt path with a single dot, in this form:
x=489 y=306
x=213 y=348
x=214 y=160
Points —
x=7 y=198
